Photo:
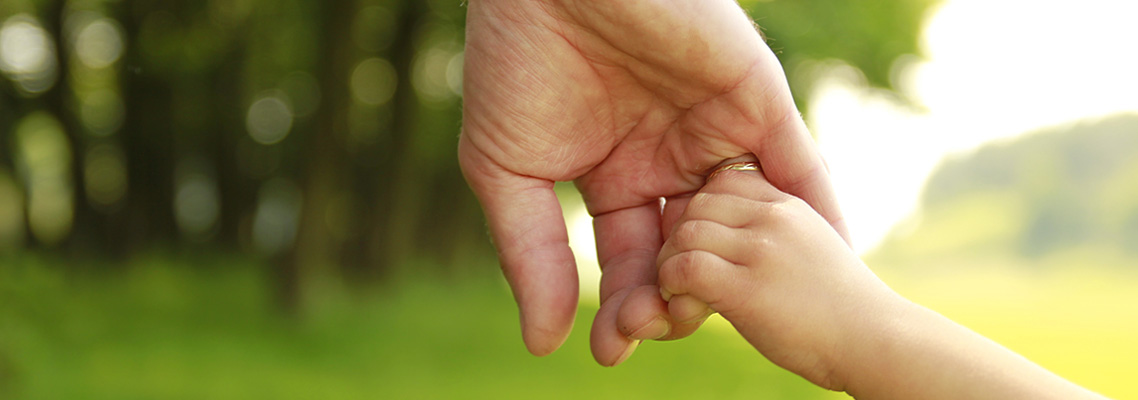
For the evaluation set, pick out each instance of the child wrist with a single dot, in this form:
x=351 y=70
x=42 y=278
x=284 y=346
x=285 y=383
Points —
x=866 y=353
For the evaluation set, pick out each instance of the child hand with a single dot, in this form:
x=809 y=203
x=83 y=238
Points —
x=774 y=268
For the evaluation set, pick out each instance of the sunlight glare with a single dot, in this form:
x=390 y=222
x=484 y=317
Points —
x=993 y=70
x=583 y=243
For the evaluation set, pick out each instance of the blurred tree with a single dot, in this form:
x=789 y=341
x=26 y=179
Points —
x=1049 y=191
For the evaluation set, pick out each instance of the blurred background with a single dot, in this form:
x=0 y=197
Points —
x=250 y=198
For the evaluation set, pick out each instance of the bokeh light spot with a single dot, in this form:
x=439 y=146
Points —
x=429 y=75
x=269 y=119
x=229 y=13
x=43 y=158
x=454 y=73
x=101 y=111
x=99 y=44
x=50 y=211
x=27 y=54
x=43 y=152
x=197 y=200
x=373 y=81
x=23 y=45
x=277 y=217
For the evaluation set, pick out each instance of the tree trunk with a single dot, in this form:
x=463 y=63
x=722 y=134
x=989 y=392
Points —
x=311 y=269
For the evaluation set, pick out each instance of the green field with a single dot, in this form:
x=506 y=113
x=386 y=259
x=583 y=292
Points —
x=1075 y=313
x=172 y=330
x=207 y=328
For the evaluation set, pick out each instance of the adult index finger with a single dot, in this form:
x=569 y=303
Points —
x=533 y=247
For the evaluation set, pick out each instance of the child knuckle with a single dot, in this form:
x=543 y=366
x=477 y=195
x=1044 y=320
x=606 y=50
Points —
x=688 y=267
x=690 y=231
x=774 y=213
x=701 y=201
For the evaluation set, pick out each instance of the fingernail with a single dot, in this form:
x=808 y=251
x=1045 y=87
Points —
x=627 y=353
x=688 y=309
x=664 y=293
x=656 y=329
x=706 y=314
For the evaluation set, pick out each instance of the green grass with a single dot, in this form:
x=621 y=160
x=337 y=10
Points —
x=167 y=329
x=206 y=328
x=1074 y=313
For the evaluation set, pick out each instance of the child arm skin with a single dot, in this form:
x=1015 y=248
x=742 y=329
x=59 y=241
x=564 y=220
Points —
x=775 y=269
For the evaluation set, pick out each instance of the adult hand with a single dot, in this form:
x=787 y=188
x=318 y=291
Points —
x=635 y=100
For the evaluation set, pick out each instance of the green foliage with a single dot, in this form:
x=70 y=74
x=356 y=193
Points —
x=869 y=35
x=1050 y=191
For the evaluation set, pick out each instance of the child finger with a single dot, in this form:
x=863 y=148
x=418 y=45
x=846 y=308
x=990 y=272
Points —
x=644 y=315
x=682 y=330
x=703 y=275
x=609 y=346
x=687 y=309
x=728 y=209
x=704 y=235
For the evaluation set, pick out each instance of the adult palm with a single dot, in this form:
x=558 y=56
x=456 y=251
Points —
x=635 y=100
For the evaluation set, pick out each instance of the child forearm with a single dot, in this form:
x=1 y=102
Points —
x=773 y=267
x=917 y=353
